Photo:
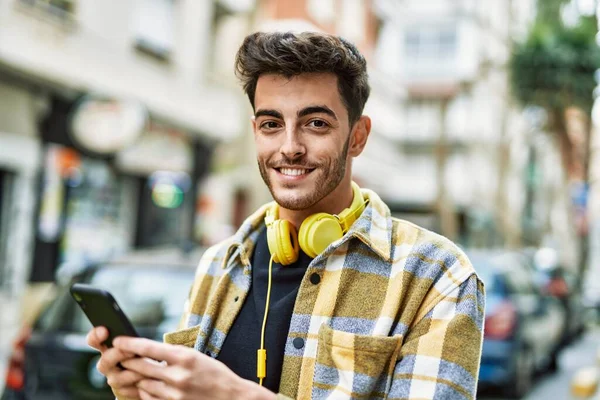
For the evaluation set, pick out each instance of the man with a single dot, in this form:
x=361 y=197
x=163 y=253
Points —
x=366 y=306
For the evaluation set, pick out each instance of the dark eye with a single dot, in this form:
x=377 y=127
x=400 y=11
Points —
x=270 y=125
x=317 y=123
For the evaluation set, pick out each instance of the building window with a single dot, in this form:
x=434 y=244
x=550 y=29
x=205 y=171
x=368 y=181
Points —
x=154 y=28
x=59 y=9
x=425 y=43
x=412 y=43
x=447 y=42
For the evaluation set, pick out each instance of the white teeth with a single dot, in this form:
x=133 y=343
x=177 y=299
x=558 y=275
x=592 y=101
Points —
x=293 y=171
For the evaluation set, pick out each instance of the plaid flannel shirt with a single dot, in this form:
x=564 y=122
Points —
x=397 y=314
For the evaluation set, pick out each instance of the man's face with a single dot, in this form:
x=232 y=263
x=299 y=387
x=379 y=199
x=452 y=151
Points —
x=302 y=135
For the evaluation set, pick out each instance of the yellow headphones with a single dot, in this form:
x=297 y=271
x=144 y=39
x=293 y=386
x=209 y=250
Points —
x=316 y=232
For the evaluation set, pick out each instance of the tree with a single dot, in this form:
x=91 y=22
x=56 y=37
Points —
x=555 y=69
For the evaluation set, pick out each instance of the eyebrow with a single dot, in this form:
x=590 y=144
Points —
x=302 y=113
x=317 y=110
x=268 y=113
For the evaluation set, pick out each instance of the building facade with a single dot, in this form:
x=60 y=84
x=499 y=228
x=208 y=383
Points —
x=79 y=182
x=468 y=151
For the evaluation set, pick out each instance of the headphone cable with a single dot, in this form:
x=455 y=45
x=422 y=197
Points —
x=261 y=360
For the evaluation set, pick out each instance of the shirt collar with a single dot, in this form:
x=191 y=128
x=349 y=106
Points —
x=373 y=228
x=243 y=241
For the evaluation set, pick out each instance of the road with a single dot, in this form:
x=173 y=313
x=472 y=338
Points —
x=582 y=353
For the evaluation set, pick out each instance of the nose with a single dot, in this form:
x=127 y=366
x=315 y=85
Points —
x=292 y=147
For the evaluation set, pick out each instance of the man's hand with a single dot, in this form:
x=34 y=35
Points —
x=184 y=374
x=121 y=381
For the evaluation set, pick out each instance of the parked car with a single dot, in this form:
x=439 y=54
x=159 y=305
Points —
x=523 y=326
x=562 y=285
x=591 y=302
x=560 y=282
x=55 y=360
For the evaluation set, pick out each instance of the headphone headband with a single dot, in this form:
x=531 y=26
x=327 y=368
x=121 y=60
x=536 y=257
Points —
x=270 y=217
x=316 y=232
x=350 y=214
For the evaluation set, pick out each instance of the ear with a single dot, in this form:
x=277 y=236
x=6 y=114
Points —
x=360 y=134
x=253 y=122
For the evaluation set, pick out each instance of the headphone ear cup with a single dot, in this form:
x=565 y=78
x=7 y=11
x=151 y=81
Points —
x=283 y=242
x=317 y=232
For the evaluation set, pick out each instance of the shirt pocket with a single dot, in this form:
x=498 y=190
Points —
x=352 y=366
x=185 y=337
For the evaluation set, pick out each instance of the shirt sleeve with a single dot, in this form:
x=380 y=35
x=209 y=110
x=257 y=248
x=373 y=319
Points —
x=441 y=354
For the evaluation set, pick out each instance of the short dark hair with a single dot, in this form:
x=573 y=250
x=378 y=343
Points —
x=290 y=54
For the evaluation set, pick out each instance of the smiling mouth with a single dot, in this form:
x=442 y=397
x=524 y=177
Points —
x=294 y=171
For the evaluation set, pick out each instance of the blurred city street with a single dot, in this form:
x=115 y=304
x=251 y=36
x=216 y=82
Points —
x=127 y=148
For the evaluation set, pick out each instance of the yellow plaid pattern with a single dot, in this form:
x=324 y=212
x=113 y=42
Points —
x=397 y=313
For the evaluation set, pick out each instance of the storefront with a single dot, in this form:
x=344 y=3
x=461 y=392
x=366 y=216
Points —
x=84 y=213
x=100 y=198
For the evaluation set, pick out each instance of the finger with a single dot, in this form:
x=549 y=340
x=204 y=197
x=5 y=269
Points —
x=121 y=379
x=96 y=336
x=156 y=388
x=174 y=376
x=147 y=396
x=151 y=349
x=110 y=358
x=146 y=367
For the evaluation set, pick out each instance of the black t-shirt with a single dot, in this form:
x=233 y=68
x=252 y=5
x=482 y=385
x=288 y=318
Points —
x=243 y=340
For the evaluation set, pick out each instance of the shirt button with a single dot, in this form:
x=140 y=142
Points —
x=298 y=343
x=315 y=278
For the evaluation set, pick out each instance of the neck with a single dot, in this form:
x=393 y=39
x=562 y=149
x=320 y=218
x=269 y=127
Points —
x=334 y=203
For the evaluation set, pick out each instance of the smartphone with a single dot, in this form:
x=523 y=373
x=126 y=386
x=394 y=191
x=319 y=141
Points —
x=102 y=309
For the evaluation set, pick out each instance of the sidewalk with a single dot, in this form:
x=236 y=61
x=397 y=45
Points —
x=580 y=354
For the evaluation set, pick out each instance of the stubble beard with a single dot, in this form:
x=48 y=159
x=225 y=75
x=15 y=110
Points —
x=329 y=179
